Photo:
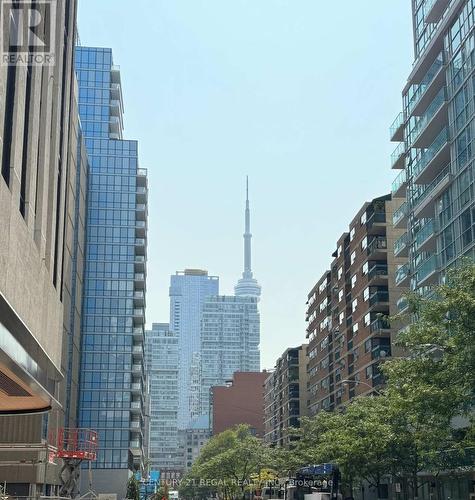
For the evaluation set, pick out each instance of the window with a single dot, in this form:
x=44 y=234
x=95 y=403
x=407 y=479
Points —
x=366 y=294
x=367 y=345
x=369 y=372
x=352 y=233
x=367 y=319
x=355 y=328
x=365 y=268
x=340 y=295
x=342 y=317
x=364 y=243
x=340 y=273
x=363 y=219
x=339 y=250
x=353 y=257
x=353 y=281
x=354 y=305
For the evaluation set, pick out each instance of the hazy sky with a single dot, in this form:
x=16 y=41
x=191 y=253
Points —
x=298 y=94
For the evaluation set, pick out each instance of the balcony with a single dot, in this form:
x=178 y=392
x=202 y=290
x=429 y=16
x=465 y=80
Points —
x=139 y=316
x=141 y=177
x=140 y=211
x=380 y=351
x=114 y=124
x=139 y=299
x=379 y=300
x=424 y=92
x=431 y=122
x=115 y=73
x=398 y=157
x=136 y=407
x=139 y=263
x=376 y=223
x=139 y=279
x=400 y=184
x=401 y=246
x=402 y=275
x=402 y=305
x=433 y=159
x=423 y=206
x=135 y=447
x=137 y=332
x=135 y=425
x=434 y=10
x=137 y=369
x=136 y=388
x=137 y=351
x=428 y=272
x=379 y=326
x=140 y=243
x=115 y=107
x=141 y=194
x=396 y=131
x=378 y=274
x=400 y=215
x=424 y=240
x=140 y=228
x=377 y=247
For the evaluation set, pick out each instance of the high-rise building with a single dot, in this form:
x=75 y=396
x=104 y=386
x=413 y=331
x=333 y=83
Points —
x=247 y=285
x=161 y=361
x=434 y=154
x=239 y=401
x=189 y=290
x=43 y=205
x=285 y=396
x=348 y=331
x=112 y=352
x=230 y=333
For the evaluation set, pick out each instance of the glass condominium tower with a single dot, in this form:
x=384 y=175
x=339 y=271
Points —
x=112 y=345
x=188 y=291
x=435 y=154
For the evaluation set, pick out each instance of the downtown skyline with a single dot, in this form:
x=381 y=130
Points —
x=197 y=167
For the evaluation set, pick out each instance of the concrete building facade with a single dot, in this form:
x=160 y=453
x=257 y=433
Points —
x=42 y=211
x=285 y=396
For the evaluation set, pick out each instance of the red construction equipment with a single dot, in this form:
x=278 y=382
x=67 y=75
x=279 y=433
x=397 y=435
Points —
x=77 y=443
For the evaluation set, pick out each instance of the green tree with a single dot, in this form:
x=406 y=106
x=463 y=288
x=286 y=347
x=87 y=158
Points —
x=133 y=489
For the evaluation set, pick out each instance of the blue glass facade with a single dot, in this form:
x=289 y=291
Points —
x=112 y=372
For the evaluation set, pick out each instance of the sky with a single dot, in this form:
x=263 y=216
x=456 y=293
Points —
x=297 y=94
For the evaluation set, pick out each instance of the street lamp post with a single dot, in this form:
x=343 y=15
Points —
x=358 y=382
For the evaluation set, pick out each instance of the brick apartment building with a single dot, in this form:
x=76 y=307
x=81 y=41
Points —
x=285 y=396
x=348 y=332
x=241 y=401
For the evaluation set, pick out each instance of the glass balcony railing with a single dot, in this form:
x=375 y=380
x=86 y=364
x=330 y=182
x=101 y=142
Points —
x=139 y=276
x=378 y=270
x=402 y=304
x=430 y=266
x=379 y=297
x=431 y=152
x=378 y=325
x=399 y=181
x=429 y=113
x=424 y=234
x=419 y=90
x=400 y=213
x=397 y=156
x=401 y=243
x=396 y=125
x=142 y=171
x=378 y=243
x=140 y=241
x=433 y=185
x=402 y=273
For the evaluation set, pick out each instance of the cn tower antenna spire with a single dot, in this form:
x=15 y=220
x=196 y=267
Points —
x=247 y=285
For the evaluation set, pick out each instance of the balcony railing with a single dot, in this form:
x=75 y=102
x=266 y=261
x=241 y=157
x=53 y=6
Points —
x=378 y=270
x=376 y=244
x=375 y=218
x=397 y=156
x=378 y=297
x=401 y=244
x=402 y=304
x=400 y=213
x=140 y=242
x=432 y=186
x=402 y=274
x=399 y=183
x=434 y=10
x=378 y=325
x=426 y=82
x=142 y=171
x=431 y=152
x=427 y=269
x=396 y=129
x=424 y=234
x=437 y=103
